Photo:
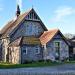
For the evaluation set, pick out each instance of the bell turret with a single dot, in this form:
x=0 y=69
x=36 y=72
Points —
x=18 y=11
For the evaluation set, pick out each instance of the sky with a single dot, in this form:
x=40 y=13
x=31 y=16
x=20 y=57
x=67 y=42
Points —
x=54 y=13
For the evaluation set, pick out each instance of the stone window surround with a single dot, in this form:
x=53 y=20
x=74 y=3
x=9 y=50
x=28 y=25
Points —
x=37 y=50
x=57 y=41
x=25 y=51
x=55 y=46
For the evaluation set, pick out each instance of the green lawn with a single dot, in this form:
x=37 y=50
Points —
x=33 y=64
x=70 y=62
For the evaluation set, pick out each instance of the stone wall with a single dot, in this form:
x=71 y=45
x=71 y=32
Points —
x=0 y=50
x=5 y=42
x=64 y=48
x=28 y=28
x=31 y=54
x=14 y=56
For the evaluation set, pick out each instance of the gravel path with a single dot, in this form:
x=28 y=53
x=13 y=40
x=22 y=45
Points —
x=68 y=69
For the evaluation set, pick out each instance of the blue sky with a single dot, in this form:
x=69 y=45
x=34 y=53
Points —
x=54 y=13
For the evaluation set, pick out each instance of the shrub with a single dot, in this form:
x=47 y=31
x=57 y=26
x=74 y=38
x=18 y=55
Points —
x=27 y=62
x=40 y=60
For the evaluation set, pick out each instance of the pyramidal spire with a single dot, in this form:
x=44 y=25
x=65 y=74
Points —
x=18 y=11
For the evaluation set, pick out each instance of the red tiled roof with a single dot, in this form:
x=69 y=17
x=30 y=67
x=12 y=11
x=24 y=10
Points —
x=48 y=35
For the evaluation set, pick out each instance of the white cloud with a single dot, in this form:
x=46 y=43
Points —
x=61 y=13
x=20 y=3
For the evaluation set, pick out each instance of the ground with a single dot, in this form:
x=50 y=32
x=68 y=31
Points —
x=48 y=63
x=66 y=69
x=48 y=68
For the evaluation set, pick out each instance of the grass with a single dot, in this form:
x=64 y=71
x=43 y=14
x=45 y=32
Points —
x=34 y=64
x=69 y=62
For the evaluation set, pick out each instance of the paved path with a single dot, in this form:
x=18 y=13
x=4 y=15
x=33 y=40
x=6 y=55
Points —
x=68 y=69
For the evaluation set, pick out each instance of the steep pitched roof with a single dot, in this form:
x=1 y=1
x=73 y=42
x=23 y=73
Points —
x=16 y=42
x=49 y=35
x=12 y=24
x=25 y=40
x=8 y=28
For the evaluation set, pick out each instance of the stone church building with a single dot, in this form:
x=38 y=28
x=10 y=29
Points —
x=27 y=39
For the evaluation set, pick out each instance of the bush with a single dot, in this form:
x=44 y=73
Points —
x=27 y=62
x=40 y=60
x=48 y=60
x=65 y=59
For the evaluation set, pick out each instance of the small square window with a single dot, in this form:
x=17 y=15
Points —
x=57 y=44
x=25 y=51
x=37 y=50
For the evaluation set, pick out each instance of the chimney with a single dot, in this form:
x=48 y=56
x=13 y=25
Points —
x=18 y=11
